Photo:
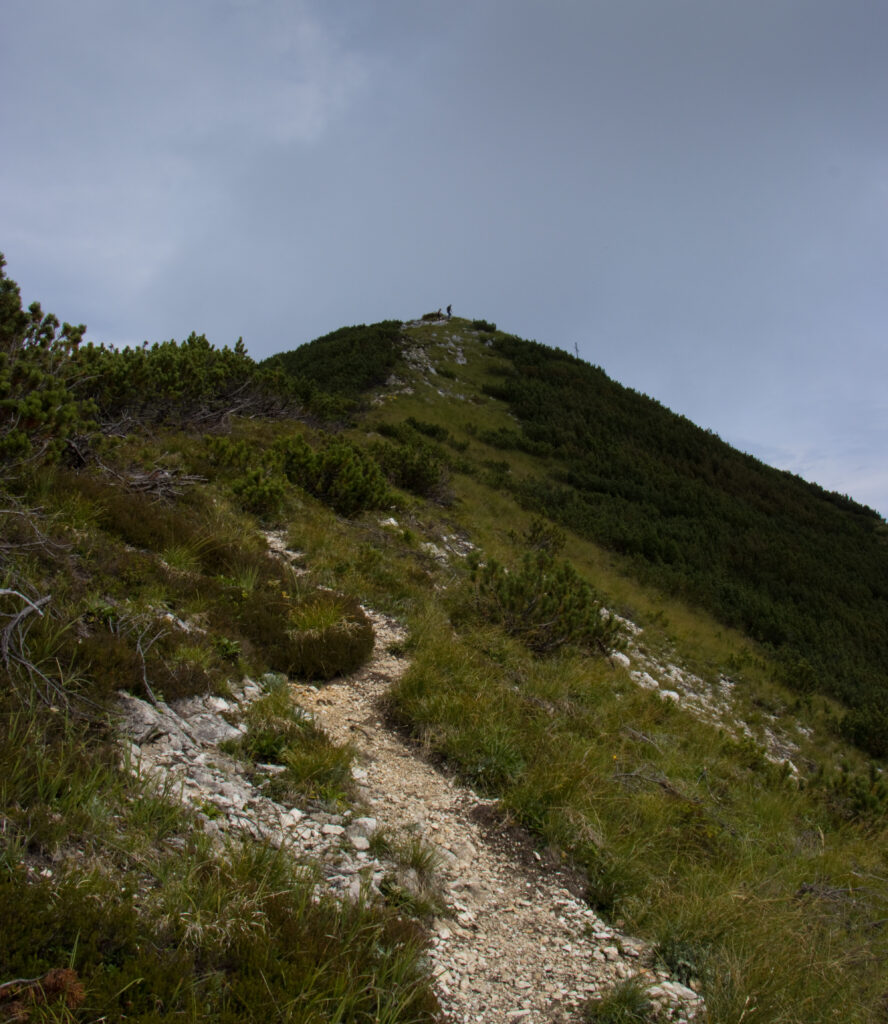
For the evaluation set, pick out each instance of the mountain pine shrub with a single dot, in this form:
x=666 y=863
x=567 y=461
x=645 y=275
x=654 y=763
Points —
x=342 y=475
x=432 y=430
x=38 y=411
x=415 y=465
x=170 y=381
x=260 y=491
x=345 y=362
x=546 y=604
x=225 y=451
x=867 y=729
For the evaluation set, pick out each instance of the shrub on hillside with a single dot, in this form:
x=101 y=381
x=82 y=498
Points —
x=260 y=491
x=542 y=535
x=225 y=451
x=139 y=522
x=38 y=411
x=408 y=431
x=54 y=388
x=867 y=729
x=342 y=475
x=170 y=381
x=432 y=430
x=853 y=794
x=345 y=362
x=546 y=604
x=138 y=656
x=414 y=465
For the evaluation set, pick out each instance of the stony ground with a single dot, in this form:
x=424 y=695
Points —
x=510 y=940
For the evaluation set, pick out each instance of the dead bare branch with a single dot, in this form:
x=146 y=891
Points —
x=656 y=780
x=34 y=519
x=159 y=482
x=30 y=608
x=641 y=737
x=142 y=651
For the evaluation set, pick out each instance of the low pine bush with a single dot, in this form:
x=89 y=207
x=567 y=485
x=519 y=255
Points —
x=432 y=430
x=342 y=475
x=38 y=366
x=260 y=491
x=546 y=604
x=416 y=465
x=346 y=362
x=867 y=729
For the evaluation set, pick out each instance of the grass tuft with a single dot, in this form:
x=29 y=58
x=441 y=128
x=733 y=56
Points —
x=331 y=636
x=625 y=1004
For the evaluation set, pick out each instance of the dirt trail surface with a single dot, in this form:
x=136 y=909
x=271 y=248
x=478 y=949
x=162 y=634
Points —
x=516 y=944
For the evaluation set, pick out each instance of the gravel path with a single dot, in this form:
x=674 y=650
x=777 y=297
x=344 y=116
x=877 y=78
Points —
x=519 y=945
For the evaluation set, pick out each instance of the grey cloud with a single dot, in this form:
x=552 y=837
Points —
x=692 y=192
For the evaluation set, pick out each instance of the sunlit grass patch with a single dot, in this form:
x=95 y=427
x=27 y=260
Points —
x=331 y=635
x=279 y=732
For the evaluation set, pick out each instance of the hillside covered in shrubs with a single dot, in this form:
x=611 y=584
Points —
x=551 y=541
x=801 y=570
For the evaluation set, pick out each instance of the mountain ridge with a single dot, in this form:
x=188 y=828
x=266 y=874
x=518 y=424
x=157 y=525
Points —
x=759 y=547
x=662 y=756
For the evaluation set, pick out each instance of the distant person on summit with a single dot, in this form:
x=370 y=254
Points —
x=448 y=311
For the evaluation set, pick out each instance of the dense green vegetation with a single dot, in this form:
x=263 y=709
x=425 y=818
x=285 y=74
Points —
x=133 y=556
x=55 y=388
x=37 y=411
x=131 y=559
x=799 y=569
x=346 y=362
x=543 y=601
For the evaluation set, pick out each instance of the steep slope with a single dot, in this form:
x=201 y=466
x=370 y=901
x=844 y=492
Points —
x=156 y=542
x=800 y=570
x=797 y=568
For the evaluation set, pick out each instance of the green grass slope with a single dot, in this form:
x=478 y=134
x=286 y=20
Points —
x=763 y=884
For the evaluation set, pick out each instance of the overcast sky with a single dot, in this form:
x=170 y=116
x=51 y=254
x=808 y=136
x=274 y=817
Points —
x=692 y=192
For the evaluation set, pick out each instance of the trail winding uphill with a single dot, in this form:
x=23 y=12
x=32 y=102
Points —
x=510 y=941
